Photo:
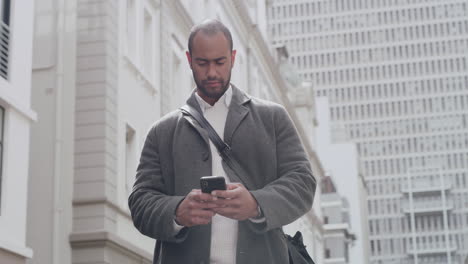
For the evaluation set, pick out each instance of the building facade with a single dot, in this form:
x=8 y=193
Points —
x=103 y=72
x=396 y=75
x=338 y=234
x=16 y=119
x=341 y=163
x=299 y=94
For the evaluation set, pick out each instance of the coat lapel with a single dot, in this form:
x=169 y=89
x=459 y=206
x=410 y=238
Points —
x=236 y=114
x=192 y=101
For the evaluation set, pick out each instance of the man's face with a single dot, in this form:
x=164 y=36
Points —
x=211 y=62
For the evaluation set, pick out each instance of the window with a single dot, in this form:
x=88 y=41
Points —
x=131 y=28
x=4 y=37
x=147 y=55
x=2 y=118
x=130 y=158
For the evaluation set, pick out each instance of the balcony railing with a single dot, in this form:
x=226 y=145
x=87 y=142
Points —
x=337 y=227
x=427 y=187
x=335 y=261
x=427 y=206
x=431 y=248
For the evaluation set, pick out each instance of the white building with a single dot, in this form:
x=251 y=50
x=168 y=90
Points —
x=104 y=71
x=301 y=97
x=338 y=235
x=16 y=118
x=341 y=161
x=396 y=75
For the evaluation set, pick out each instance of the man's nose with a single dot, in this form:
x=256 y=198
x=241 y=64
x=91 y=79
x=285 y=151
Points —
x=211 y=71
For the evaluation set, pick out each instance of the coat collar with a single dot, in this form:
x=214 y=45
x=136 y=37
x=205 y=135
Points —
x=236 y=114
x=239 y=98
x=225 y=99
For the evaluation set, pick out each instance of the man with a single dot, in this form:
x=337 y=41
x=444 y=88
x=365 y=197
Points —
x=242 y=224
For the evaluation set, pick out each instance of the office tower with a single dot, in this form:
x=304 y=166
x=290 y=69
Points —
x=395 y=72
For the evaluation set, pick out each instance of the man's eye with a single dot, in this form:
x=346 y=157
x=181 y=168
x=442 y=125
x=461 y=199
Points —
x=202 y=64
x=220 y=62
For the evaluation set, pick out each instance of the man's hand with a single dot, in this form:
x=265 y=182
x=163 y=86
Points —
x=238 y=202
x=195 y=209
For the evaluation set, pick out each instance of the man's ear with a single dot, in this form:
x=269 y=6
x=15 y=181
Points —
x=189 y=58
x=233 y=57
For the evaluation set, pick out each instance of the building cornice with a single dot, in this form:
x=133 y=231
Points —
x=101 y=238
x=185 y=19
x=24 y=110
x=16 y=249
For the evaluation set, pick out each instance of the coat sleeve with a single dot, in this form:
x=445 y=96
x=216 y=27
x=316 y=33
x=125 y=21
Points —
x=291 y=195
x=151 y=207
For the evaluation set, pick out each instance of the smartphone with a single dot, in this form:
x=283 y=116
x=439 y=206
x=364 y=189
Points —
x=211 y=183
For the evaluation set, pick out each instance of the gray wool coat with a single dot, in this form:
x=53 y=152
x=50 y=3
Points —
x=176 y=154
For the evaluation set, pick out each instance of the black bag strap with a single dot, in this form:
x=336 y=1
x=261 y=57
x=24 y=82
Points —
x=223 y=148
x=157 y=251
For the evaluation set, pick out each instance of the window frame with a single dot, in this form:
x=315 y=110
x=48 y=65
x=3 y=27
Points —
x=2 y=130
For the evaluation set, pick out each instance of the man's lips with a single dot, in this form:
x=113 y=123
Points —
x=211 y=84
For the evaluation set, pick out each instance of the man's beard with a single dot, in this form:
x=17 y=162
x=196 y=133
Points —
x=210 y=93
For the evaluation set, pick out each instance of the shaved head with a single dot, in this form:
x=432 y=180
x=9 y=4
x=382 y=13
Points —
x=209 y=27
